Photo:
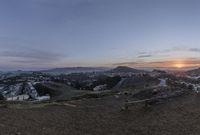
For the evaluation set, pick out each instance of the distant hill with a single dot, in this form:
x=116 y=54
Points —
x=124 y=69
x=159 y=71
x=68 y=70
x=194 y=72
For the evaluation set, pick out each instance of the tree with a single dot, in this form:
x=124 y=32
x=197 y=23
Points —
x=191 y=87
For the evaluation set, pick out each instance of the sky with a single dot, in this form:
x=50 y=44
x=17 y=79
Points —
x=40 y=34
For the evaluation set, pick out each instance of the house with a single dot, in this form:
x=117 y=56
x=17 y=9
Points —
x=100 y=87
x=31 y=90
x=12 y=90
x=43 y=98
x=18 y=98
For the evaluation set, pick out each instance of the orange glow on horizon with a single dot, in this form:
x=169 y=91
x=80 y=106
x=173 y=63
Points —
x=180 y=65
x=174 y=64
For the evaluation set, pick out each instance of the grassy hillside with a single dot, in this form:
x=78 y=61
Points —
x=58 y=91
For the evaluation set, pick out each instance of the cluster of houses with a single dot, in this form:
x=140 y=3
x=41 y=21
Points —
x=19 y=86
x=11 y=90
x=125 y=74
x=195 y=87
x=22 y=92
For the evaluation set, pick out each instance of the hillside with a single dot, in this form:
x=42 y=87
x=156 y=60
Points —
x=103 y=116
x=58 y=91
x=194 y=72
x=124 y=69
x=159 y=71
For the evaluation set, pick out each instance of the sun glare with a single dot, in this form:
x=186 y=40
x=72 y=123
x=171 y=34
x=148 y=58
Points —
x=179 y=65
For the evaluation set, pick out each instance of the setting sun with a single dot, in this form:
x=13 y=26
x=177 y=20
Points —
x=179 y=65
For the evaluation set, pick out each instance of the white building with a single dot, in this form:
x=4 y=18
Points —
x=100 y=87
x=32 y=91
x=43 y=98
x=18 y=98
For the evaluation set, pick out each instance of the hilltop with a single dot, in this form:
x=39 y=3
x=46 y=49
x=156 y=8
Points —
x=194 y=72
x=125 y=69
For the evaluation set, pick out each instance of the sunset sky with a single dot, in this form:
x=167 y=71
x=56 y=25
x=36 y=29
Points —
x=38 y=34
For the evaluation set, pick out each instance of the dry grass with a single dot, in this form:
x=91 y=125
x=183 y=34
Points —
x=103 y=116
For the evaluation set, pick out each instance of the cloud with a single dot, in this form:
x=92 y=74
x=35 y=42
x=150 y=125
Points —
x=167 y=52
x=142 y=53
x=181 y=49
x=149 y=55
x=30 y=57
x=145 y=56
x=33 y=54
x=195 y=49
x=125 y=63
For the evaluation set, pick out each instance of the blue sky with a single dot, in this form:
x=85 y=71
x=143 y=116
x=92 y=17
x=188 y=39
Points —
x=37 y=34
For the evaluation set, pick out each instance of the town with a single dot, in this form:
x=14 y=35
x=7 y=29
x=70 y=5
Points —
x=43 y=86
